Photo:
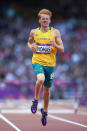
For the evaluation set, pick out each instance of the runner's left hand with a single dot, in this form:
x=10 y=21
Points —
x=53 y=43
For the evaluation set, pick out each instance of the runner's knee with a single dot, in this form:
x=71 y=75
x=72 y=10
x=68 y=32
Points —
x=41 y=79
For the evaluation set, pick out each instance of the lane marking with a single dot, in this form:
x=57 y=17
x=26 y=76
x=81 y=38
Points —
x=51 y=111
x=23 y=111
x=67 y=121
x=9 y=122
x=16 y=111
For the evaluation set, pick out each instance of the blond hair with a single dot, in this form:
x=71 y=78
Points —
x=45 y=11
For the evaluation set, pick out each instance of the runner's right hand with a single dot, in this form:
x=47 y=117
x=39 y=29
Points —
x=33 y=47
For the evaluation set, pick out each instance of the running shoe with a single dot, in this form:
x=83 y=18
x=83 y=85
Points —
x=34 y=106
x=44 y=117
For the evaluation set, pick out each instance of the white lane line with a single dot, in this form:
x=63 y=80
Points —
x=51 y=111
x=9 y=122
x=67 y=121
x=23 y=111
x=16 y=111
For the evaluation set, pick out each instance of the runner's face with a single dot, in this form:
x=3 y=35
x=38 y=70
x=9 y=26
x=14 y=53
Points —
x=44 y=20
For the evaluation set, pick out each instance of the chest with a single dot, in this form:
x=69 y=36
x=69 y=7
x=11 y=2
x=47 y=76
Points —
x=43 y=38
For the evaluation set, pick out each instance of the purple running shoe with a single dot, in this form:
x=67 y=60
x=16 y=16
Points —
x=34 y=106
x=44 y=117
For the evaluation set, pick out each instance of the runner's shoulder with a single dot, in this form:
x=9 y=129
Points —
x=32 y=32
x=56 y=30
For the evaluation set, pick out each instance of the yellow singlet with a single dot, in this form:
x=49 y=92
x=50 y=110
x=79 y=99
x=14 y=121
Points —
x=45 y=54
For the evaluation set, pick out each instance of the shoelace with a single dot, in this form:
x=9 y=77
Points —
x=44 y=114
x=35 y=103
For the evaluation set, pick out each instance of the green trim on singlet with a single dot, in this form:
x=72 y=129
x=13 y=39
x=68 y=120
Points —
x=48 y=30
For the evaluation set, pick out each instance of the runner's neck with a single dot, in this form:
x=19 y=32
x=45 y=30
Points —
x=44 y=29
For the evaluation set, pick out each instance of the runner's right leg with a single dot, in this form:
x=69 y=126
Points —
x=39 y=83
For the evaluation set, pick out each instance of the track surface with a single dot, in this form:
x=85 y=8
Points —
x=61 y=118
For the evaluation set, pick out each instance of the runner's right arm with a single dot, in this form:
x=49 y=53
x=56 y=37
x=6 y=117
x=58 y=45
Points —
x=31 y=43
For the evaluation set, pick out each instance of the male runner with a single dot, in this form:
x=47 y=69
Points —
x=45 y=41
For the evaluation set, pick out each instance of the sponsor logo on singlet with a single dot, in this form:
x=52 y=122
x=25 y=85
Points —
x=43 y=38
x=43 y=49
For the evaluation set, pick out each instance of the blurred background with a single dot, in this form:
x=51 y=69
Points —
x=17 y=79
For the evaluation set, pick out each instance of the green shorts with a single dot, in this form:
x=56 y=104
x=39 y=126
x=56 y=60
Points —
x=47 y=71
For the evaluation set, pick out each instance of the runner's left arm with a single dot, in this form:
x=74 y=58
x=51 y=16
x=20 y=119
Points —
x=58 y=41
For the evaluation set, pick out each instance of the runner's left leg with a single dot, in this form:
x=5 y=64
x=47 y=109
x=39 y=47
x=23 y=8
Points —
x=46 y=96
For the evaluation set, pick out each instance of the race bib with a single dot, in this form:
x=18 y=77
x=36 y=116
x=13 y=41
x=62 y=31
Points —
x=43 y=48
